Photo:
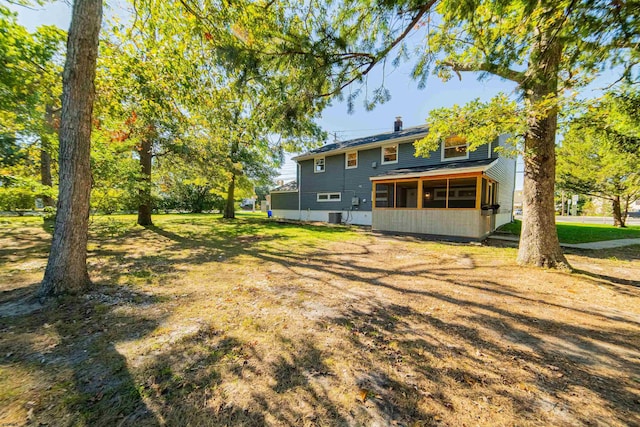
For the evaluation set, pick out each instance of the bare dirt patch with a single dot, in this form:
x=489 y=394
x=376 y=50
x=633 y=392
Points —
x=198 y=322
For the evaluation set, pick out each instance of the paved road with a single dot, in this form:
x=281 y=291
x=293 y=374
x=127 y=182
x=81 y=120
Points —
x=591 y=219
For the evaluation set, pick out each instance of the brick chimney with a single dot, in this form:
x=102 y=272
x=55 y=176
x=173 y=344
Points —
x=397 y=125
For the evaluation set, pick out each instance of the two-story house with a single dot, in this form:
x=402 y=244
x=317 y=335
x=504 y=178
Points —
x=378 y=181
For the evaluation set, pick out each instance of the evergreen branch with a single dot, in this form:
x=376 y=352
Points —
x=505 y=73
x=383 y=53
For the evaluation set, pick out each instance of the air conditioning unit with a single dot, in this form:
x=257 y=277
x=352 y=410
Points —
x=335 y=217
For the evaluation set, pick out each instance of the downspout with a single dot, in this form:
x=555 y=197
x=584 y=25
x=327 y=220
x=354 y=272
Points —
x=299 y=191
x=344 y=189
x=513 y=191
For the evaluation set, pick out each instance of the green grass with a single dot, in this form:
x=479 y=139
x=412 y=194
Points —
x=214 y=228
x=199 y=320
x=582 y=233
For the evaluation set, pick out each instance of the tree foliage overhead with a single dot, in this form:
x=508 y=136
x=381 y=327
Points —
x=515 y=40
x=545 y=48
x=30 y=65
x=166 y=82
x=595 y=157
x=343 y=41
x=616 y=118
x=146 y=70
x=508 y=38
x=30 y=88
x=479 y=123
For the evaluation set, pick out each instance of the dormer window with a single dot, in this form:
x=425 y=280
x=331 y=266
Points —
x=454 y=148
x=318 y=164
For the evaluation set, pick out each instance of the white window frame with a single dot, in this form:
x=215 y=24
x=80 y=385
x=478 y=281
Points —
x=346 y=159
x=315 y=164
x=454 y=194
x=451 y=159
x=382 y=162
x=326 y=197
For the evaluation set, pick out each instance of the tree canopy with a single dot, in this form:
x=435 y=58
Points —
x=597 y=156
x=30 y=88
x=545 y=48
x=30 y=77
x=226 y=87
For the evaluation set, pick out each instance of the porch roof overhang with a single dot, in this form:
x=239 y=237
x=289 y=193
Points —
x=473 y=166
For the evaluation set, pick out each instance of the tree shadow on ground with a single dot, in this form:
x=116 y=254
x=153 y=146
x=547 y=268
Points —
x=625 y=253
x=164 y=252
x=552 y=360
x=562 y=355
x=411 y=359
x=183 y=381
x=617 y=283
x=69 y=348
x=208 y=379
x=165 y=249
x=67 y=351
x=625 y=284
x=555 y=357
x=27 y=246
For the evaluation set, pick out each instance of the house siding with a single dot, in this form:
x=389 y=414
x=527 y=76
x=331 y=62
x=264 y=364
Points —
x=501 y=141
x=284 y=201
x=355 y=182
x=348 y=217
x=504 y=173
x=439 y=222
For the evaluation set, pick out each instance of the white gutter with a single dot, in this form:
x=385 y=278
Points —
x=436 y=172
x=365 y=146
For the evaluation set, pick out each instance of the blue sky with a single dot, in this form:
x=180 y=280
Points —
x=407 y=101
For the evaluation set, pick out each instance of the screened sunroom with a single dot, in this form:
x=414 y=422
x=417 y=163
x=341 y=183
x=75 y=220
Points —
x=453 y=201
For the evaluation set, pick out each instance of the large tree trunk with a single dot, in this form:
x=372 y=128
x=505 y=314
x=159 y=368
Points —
x=45 y=157
x=67 y=265
x=144 y=208
x=229 y=207
x=45 y=175
x=539 y=244
x=619 y=219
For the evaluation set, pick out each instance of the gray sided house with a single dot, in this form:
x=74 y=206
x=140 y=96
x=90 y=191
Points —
x=378 y=181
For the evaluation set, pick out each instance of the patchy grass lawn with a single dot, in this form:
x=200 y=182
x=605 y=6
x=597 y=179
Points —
x=582 y=233
x=201 y=321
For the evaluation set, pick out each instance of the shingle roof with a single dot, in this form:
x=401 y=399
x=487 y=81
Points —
x=381 y=137
x=289 y=186
x=445 y=167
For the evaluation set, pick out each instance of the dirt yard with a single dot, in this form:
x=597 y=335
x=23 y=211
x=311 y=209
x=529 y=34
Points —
x=199 y=321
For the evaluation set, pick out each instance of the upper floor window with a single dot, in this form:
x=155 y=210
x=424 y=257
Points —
x=318 y=165
x=351 y=160
x=390 y=154
x=455 y=147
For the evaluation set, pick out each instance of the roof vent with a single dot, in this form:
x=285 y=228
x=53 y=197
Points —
x=397 y=125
